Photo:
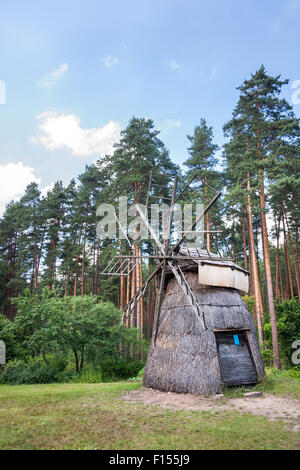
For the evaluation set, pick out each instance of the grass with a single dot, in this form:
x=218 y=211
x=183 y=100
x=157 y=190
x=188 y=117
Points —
x=277 y=384
x=93 y=416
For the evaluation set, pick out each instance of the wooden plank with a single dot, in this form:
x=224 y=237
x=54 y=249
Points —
x=236 y=364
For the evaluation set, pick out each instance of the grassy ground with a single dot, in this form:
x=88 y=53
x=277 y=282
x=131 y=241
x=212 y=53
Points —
x=277 y=385
x=93 y=416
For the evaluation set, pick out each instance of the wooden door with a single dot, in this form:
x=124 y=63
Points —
x=236 y=364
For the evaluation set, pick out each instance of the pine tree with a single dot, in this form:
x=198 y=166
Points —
x=202 y=161
x=264 y=119
x=138 y=152
x=240 y=197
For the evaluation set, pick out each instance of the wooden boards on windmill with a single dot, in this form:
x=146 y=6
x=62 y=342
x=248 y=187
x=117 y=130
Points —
x=222 y=274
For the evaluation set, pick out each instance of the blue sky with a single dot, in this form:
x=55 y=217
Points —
x=76 y=71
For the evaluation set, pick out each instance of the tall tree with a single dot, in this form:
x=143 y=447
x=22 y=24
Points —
x=138 y=152
x=202 y=161
x=265 y=117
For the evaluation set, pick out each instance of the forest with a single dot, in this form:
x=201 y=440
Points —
x=51 y=255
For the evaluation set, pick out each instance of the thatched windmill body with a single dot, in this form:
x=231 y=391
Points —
x=203 y=335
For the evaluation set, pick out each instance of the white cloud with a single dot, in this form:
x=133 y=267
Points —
x=174 y=65
x=173 y=123
x=51 y=78
x=110 y=61
x=45 y=190
x=14 y=177
x=57 y=131
x=296 y=94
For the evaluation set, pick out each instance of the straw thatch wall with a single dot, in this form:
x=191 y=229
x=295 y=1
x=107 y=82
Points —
x=184 y=358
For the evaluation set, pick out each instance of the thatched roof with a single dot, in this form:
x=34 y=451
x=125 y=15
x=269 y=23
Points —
x=184 y=357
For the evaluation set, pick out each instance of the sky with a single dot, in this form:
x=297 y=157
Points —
x=72 y=74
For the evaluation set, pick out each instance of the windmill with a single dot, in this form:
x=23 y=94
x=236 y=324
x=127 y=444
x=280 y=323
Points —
x=167 y=256
x=195 y=347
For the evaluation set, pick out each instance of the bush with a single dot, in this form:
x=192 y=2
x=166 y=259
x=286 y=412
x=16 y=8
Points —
x=120 y=368
x=288 y=325
x=267 y=357
x=20 y=372
x=293 y=372
x=36 y=371
x=89 y=375
x=139 y=376
x=58 y=361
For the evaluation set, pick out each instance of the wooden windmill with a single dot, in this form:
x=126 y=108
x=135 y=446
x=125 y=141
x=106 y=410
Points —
x=195 y=347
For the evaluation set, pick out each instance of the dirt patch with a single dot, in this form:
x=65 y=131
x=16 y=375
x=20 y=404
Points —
x=271 y=406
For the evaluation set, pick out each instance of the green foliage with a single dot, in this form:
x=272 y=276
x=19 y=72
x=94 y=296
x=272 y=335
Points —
x=20 y=372
x=293 y=372
x=288 y=325
x=7 y=336
x=117 y=369
x=267 y=357
x=51 y=329
x=90 y=375
x=49 y=323
x=250 y=302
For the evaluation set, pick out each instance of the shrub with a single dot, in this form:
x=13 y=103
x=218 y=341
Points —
x=293 y=372
x=20 y=372
x=267 y=357
x=139 y=376
x=119 y=368
x=58 y=361
x=89 y=375
x=288 y=325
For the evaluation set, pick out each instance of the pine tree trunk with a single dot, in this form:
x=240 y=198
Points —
x=277 y=230
x=281 y=281
x=294 y=257
x=128 y=292
x=52 y=264
x=83 y=270
x=83 y=253
x=245 y=244
x=122 y=283
x=142 y=306
x=97 y=268
x=207 y=224
x=233 y=241
x=253 y=265
x=297 y=260
x=35 y=259
x=133 y=286
x=77 y=262
x=267 y=263
x=289 y=282
x=67 y=283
